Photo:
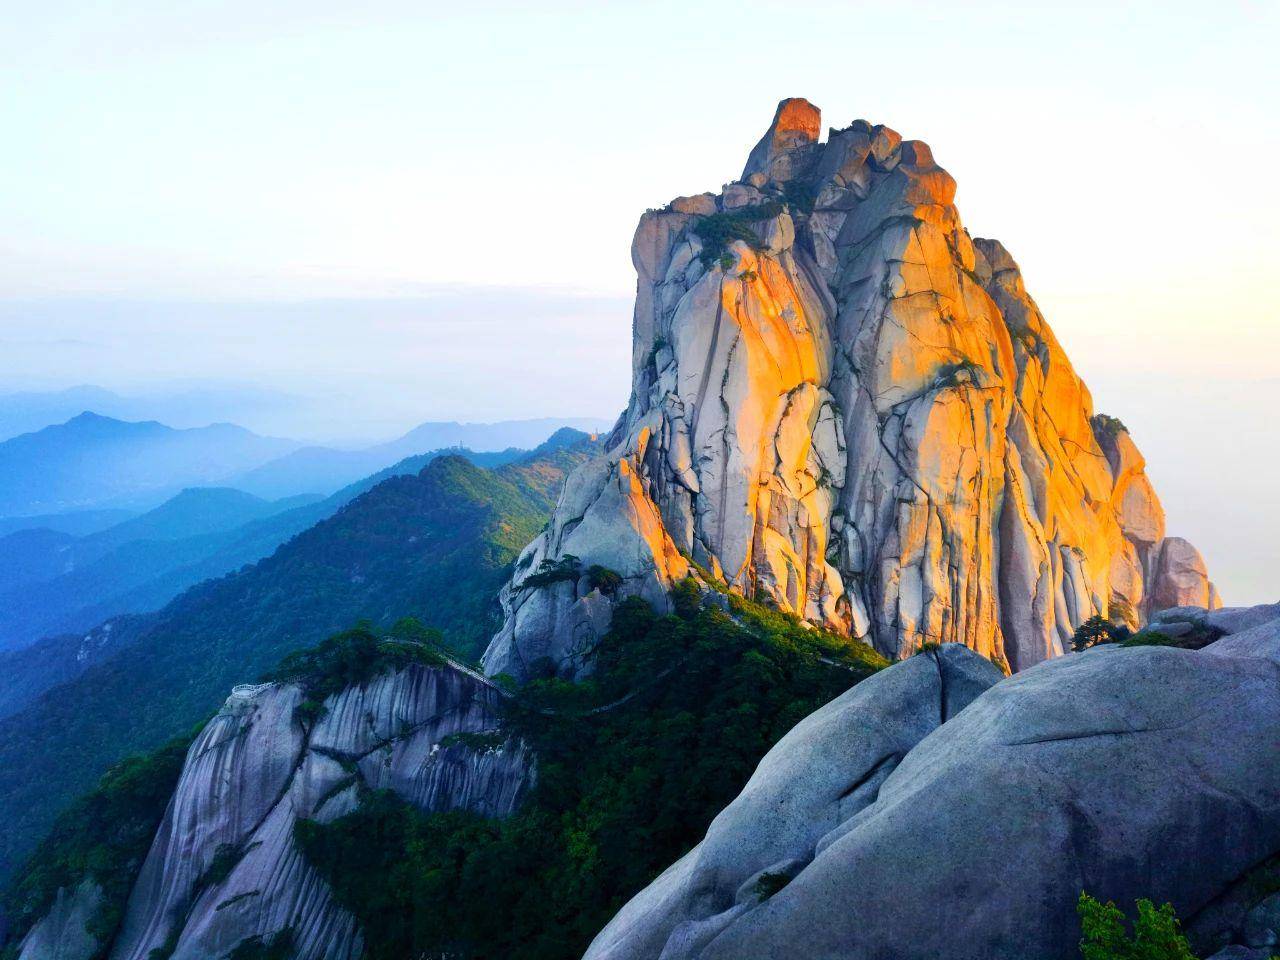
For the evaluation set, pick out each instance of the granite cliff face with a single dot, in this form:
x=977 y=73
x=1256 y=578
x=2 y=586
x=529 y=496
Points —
x=251 y=774
x=934 y=812
x=845 y=404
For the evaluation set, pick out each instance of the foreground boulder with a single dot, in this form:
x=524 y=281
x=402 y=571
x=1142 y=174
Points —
x=1127 y=772
x=829 y=767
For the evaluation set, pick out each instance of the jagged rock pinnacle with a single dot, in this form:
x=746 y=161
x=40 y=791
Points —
x=844 y=405
x=796 y=123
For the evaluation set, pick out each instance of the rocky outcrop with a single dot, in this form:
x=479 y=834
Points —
x=1180 y=578
x=879 y=831
x=845 y=404
x=796 y=124
x=64 y=932
x=223 y=867
x=822 y=773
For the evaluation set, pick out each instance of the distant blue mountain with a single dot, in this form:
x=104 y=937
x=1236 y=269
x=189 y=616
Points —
x=51 y=581
x=61 y=577
x=78 y=523
x=324 y=469
x=33 y=410
x=92 y=461
x=181 y=405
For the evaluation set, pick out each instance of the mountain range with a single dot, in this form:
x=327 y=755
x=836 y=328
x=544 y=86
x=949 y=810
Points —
x=52 y=583
x=93 y=463
x=859 y=635
x=325 y=469
x=69 y=571
x=31 y=410
x=435 y=545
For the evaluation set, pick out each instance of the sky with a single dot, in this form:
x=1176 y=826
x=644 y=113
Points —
x=421 y=210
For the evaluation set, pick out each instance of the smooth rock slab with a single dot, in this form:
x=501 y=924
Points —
x=823 y=772
x=1140 y=772
x=60 y=934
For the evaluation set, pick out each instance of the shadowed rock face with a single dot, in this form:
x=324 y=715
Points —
x=1181 y=578
x=252 y=773
x=856 y=410
x=62 y=933
x=1128 y=772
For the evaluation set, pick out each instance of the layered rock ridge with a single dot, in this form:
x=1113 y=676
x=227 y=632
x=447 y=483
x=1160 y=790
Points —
x=224 y=868
x=933 y=812
x=846 y=406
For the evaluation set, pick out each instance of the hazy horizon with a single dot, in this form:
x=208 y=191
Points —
x=378 y=367
x=421 y=213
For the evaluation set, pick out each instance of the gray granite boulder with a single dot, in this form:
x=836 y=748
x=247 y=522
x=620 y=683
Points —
x=1128 y=772
x=817 y=778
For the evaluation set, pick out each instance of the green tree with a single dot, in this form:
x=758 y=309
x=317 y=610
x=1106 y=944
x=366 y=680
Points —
x=1097 y=629
x=1157 y=935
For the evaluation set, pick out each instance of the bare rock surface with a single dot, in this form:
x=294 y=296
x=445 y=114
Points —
x=845 y=404
x=817 y=778
x=255 y=770
x=1180 y=577
x=62 y=933
x=1128 y=772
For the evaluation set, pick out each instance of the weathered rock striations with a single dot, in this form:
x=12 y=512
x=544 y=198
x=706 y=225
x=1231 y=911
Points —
x=64 y=932
x=829 y=767
x=893 y=828
x=1180 y=577
x=844 y=404
x=253 y=772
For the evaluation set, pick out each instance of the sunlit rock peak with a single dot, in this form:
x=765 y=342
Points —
x=846 y=406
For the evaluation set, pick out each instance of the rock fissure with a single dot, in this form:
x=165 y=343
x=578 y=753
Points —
x=877 y=301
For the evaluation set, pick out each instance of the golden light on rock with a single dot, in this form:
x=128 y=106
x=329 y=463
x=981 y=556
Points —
x=855 y=412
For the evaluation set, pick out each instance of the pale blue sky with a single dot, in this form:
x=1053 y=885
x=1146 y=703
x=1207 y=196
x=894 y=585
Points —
x=456 y=184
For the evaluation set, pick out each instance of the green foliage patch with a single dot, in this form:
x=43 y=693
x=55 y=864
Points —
x=477 y=742
x=771 y=883
x=102 y=837
x=1100 y=630
x=355 y=657
x=1107 y=426
x=958 y=373
x=632 y=766
x=799 y=196
x=1097 y=629
x=718 y=230
x=1156 y=935
x=225 y=858
x=603 y=579
x=1149 y=638
x=553 y=571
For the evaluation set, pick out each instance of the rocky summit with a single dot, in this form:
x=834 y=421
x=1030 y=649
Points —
x=846 y=406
